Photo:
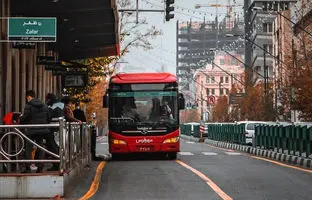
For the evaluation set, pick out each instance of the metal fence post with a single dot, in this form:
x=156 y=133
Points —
x=62 y=144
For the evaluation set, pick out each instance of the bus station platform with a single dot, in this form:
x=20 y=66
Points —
x=74 y=158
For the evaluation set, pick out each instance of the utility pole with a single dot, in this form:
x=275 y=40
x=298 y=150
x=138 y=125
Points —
x=265 y=71
x=137 y=11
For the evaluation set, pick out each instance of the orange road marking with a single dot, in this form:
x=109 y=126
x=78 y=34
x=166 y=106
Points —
x=213 y=186
x=95 y=183
x=268 y=160
x=281 y=164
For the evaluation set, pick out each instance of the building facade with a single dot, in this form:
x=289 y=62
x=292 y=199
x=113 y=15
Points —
x=259 y=19
x=196 y=43
x=217 y=79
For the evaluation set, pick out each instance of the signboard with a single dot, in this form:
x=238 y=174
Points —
x=24 y=45
x=56 y=68
x=32 y=29
x=58 y=73
x=211 y=99
x=46 y=60
x=235 y=98
x=75 y=79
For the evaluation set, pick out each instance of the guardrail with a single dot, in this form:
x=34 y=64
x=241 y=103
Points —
x=227 y=132
x=289 y=139
x=73 y=139
x=292 y=139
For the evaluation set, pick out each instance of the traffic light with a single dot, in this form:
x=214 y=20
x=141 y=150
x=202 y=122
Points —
x=169 y=9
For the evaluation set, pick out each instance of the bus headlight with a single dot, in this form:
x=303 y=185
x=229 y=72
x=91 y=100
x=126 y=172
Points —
x=171 y=140
x=115 y=141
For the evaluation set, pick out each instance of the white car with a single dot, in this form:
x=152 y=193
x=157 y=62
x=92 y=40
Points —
x=250 y=127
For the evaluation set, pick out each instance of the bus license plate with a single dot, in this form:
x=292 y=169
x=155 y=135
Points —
x=144 y=149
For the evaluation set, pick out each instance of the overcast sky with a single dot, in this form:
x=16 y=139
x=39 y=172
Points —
x=164 y=46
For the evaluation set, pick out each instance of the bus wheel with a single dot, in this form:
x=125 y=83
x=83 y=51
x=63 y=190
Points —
x=172 y=156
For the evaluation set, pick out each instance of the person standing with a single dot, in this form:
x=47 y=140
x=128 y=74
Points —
x=56 y=107
x=69 y=115
x=79 y=114
x=36 y=112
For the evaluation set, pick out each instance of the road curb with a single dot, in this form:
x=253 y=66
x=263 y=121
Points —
x=105 y=157
x=189 y=138
x=273 y=155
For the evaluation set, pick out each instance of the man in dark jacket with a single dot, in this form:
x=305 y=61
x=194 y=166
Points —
x=79 y=114
x=36 y=112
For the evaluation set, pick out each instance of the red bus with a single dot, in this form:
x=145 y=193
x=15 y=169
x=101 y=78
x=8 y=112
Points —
x=143 y=111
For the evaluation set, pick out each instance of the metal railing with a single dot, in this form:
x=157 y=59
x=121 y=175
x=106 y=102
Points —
x=226 y=132
x=73 y=140
x=291 y=139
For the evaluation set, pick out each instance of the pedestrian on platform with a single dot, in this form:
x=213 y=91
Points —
x=36 y=112
x=69 y=115
x=79 y=114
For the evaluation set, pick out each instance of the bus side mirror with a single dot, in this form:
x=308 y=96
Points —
x=181 y=101
x=105 y=101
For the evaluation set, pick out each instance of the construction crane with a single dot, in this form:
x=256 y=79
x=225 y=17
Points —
x=229 y=8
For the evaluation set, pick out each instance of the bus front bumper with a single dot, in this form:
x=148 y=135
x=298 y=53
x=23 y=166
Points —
x=168 y=143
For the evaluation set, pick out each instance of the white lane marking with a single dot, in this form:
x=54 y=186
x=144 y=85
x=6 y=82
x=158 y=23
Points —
x=209 y=153
x=186 y=153
x=189 y=142
x=233 y=153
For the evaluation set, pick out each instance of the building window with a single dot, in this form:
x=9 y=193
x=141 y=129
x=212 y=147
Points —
x=267 y=27
x=212 y=91
x=221 y=61
x=213 y=79
x=234 y=62
x=221 y=79
x=226 y=79
x=258 y=68
x=221 y=91
x=207 y=79
x=268 y=48
x=227 y=91
x=207 y=91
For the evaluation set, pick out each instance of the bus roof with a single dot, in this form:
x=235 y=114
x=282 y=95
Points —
x=157 y=77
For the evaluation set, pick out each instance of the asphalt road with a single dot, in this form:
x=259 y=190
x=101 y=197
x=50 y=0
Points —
x=204 y=173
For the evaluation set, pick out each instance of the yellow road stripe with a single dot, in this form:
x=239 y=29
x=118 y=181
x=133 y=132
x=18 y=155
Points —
x=213 y=186
x=95 y=183
x=268 y=160
x=281 y=164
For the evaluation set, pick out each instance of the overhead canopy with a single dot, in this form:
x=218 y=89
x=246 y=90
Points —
x=85 y=28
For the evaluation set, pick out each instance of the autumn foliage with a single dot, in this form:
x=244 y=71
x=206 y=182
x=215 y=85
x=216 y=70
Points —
x=189 y=115
x=96 y=105
x=220 y=111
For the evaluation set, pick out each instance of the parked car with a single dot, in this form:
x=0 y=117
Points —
x=250 y=127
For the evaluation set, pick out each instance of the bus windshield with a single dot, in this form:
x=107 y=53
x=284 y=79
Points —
x=143 y=107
